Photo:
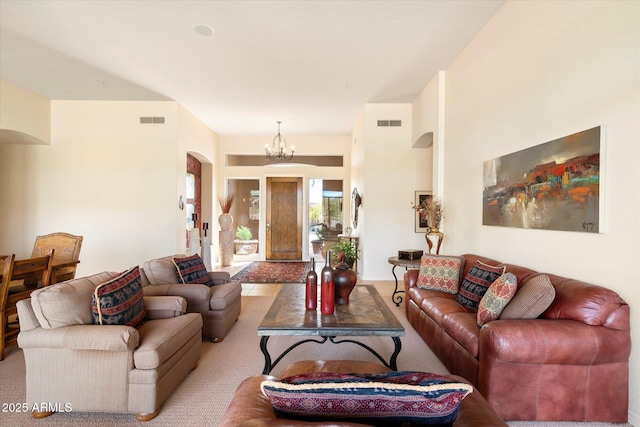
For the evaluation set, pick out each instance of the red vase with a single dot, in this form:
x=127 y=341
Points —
x=344 y=280
x=311 y=292
x=327 y=288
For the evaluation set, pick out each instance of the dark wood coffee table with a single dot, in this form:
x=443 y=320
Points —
x=365 y=315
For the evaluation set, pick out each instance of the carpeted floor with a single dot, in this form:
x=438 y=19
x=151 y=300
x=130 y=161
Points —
x=202 y=398
x=273 y=272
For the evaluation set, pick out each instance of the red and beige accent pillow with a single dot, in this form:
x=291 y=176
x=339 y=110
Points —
x=394 y=398
x=440 y=273
x=496 y=298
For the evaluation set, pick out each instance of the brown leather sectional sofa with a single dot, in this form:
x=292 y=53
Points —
x=250 y=408
x=569 y=364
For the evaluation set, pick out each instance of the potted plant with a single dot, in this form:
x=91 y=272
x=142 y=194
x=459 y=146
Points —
x=244 y=244
x=344 y=249
x=319 y=242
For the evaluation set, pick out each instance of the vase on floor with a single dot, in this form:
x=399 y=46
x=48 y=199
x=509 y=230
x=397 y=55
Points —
x=434 y=240
x=226 y=221
x=344 y=280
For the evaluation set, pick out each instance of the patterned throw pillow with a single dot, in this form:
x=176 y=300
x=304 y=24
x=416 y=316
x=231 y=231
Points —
x=475 y=284
x=531 y=300
x=440 y=273
x=496 y=298
x=118 y=301
x=380 y=399
x=191 y=269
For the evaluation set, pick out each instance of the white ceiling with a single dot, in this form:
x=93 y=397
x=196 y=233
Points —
x=311 y=64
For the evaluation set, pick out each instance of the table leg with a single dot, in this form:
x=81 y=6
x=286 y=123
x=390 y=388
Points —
x=267 y=356
x=397 y=299
x=394 y=357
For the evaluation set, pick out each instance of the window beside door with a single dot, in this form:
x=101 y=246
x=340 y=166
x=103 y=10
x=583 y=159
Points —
x=325 y=213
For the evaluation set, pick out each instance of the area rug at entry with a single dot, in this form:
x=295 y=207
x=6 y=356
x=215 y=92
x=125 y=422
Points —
x=273 y=272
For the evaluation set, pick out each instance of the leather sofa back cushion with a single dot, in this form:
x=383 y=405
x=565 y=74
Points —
x=582 y=302
x=67 y=303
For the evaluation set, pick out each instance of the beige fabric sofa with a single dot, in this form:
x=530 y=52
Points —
x=219 y=305
x=73 y=365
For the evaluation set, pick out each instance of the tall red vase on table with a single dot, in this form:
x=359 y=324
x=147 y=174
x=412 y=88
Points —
x=311 y=292
x=327 y=287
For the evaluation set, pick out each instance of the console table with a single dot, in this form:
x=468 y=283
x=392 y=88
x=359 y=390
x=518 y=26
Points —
x=406 y=263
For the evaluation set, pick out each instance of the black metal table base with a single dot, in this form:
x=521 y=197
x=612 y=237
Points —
x=397 y=299
x=268 y=365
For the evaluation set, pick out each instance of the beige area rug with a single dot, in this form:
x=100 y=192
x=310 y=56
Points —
x=203 y=396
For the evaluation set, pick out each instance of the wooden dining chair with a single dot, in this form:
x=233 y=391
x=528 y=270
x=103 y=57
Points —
x=67 y=247
x=6 y=267
x=24 y=276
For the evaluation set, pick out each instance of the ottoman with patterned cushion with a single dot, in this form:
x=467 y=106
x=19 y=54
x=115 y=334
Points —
x=251 y=407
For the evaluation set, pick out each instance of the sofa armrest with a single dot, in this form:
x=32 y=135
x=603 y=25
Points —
x=219 y=277
x=542 y=341
x=162 y=307
x=249 y=403
x=410 y=279
x=82 y=337
x=27 y=316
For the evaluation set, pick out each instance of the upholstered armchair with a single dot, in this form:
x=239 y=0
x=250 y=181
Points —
x=219 y=304
x=103 y=368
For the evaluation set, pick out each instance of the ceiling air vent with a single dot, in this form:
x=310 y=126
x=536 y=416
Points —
x=387 y=123
x=152 y=120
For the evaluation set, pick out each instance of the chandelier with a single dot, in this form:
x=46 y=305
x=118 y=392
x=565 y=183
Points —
x=278 y=150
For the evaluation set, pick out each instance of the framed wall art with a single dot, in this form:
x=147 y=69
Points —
x=552 y=186
x=422 y=223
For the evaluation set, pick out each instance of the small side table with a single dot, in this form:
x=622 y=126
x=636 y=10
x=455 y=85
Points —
x=406 y=263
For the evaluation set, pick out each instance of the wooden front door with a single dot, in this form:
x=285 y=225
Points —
x=284 y=218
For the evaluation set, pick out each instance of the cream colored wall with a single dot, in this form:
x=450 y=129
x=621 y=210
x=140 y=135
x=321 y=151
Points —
x=26 y=116
x=393 y=171
x=304 y=145
x=539 y=71
x=104 y=176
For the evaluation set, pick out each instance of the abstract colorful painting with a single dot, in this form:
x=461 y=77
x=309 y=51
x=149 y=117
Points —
x=551 y=186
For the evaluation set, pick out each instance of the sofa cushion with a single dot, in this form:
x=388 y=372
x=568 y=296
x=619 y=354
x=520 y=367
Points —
x=391 y=398
x=66 y=303
x=440 y=273
x=437 y=306
x=496 y=298
x=119 y=301
x=162 y=338
x=476 y=282
x=531 y=299
x=191 y=270
x=463 y=328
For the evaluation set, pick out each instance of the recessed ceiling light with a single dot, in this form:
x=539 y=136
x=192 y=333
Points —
x=204 y=30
